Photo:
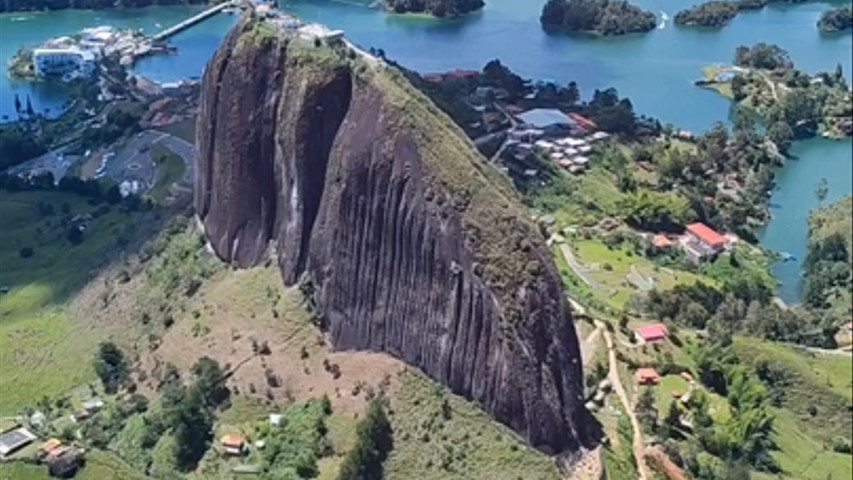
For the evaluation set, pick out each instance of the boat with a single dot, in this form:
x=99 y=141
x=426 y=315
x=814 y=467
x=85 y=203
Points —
x=788 y=257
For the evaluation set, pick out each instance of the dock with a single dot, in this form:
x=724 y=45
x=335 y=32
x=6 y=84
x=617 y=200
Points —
x=193 y=20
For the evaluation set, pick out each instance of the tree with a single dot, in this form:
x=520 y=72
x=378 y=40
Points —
x=113 y=195
x=373 y=443
x=781 y=134
x=646 y=410
x=821 y=190
x=111 y=366
x=672 y=420
x=209 y=377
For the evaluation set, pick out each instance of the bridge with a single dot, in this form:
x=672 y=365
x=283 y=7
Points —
x=193 y=20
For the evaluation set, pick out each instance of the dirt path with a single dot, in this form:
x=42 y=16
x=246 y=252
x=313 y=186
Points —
x=576 y=266
x=589 y=344
x=639 y=449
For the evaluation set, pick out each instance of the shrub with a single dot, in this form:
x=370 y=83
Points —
x=26 y=252
x=842 y=445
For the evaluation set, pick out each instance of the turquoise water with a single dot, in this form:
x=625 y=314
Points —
x=195 y=45
x=795 y=195
x=655 y=70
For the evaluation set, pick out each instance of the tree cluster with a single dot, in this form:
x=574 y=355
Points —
x=836 y=19
x=373 y=443
x=763 y=56
x=438 y=8
x=710 y=14
x=604 y=17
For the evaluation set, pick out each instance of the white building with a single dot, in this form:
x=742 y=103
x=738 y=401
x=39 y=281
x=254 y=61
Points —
x=63 y=61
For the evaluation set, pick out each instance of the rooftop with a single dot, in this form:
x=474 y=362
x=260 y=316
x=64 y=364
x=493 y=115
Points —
x=706 y=234
x=545 y=117
x=654 y=331
x=233 y=440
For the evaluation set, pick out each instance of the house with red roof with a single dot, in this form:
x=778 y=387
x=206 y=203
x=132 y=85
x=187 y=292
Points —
x=647 y=376
x=651 y=333
x=661 y=241
x=583 y=122
x=701 y=242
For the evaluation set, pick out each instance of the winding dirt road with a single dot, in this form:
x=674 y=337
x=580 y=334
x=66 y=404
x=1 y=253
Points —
x=639 y=449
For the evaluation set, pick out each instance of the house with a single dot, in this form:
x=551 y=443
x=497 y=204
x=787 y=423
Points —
x=50 y=445
x=661 y=241
x=647 y=376
x=583 y=122
x=701 y=242
x=651 y=333
x=63 y=61
x=550 y=120
x=233 y=443
x=14 y=439
x=275 y=419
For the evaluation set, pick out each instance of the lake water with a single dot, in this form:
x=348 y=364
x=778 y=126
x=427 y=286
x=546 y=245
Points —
x=195 y=45
x=655 y=70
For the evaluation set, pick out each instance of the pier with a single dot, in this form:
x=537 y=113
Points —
x=193 y=20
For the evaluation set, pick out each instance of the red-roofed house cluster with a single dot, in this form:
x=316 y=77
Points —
x=699 y=242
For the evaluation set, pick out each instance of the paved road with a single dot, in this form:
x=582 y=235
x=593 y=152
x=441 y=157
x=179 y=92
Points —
x=637 y=444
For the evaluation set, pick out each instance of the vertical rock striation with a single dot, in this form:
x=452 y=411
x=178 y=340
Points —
x=411 y=244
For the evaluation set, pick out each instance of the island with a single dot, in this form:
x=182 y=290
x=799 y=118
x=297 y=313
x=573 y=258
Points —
x=601 y=17
x=836 y=19
x=438 y=8
x=791 y=103
x=710 y=14
x=718 y=13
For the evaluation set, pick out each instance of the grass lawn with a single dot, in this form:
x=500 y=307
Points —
x=36 y=335
x=803 y=457
x=667 y=385
x=828 y=371
x=99 y=466
x=464 y=443
x=610 y=268
x=170 y=170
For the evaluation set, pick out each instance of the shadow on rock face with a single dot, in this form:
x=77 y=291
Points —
x=409 y=242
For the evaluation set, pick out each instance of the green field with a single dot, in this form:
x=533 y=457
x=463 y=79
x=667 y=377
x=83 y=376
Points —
x=610 y=268
x=170 y=170
x=43 y=351
x=99 y=466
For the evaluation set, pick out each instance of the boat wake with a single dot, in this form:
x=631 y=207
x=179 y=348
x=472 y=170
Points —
x=664 y=17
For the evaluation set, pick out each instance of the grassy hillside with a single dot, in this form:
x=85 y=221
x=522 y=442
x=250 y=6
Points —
x=174 y=304
x=45 y=350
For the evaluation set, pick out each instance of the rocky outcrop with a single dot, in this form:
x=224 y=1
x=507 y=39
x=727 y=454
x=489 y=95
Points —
x=410 y=243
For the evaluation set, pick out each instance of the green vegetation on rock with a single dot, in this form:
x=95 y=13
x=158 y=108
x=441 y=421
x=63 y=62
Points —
x=836 y=19
x=828 y=286
x=603 y=17
x=438 y=8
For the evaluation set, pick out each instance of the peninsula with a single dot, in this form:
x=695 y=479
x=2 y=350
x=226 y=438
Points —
x=791 y=102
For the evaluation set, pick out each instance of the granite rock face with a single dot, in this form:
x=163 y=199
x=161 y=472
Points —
x=410 y=243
